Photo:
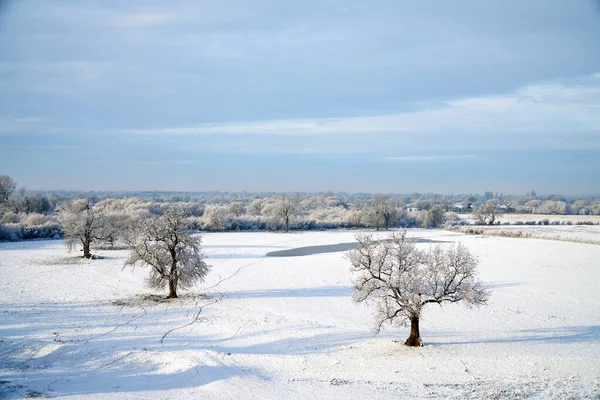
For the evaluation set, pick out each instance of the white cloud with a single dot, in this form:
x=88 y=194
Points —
x=11 y=125
x=142 y=19
x=428 y=158
x=163 y=162
x=34 y=147
x=544 y=108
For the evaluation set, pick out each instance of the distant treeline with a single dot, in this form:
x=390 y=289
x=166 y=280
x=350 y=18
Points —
x=35 y=215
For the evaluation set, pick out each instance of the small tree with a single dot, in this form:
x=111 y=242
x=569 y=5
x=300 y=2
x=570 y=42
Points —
x=81 y=223
x=115 y=224
x=166 y=245
x=400 y=279
x=215 y=217
x=286 y=209
x=235 y=208
x=433 y=218
x=487 y=212
x=380 y=213
x=7 y=187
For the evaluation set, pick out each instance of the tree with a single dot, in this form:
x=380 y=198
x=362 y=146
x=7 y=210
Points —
x=487 y=212
x=7 y=187
x=235 y=208
x=286 y=209
x=215 y=217
x=81 y=223
x=400 y=279
x=114 y=226
x=381 y=212
x=167 y=246
x=433 y=218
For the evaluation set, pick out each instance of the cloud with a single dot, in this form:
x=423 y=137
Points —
x=544 y=108
x=142 y=19
x=10 y=125
x=163 y=162
x=25 y=147
x=58 y=77
x=433 y=158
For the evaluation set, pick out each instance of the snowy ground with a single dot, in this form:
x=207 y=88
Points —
x=286 y=327
x=575 y=233
x=561 y=219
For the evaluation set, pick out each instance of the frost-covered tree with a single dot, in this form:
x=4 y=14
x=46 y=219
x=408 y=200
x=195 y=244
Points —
x=167 y=246
x=487 y=212
x=581 y=207
x=287 y=208
x=433 y=218
x=27 y=203
x=215 y=218
x=255 y=207
x=114 y=227
x=81 y=223
x=7 y=187
x=380 y=212
x=553 y=207
x=235 y=208
x=400 y=279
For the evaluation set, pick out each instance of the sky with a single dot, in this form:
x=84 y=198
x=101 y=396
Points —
x=387 y=96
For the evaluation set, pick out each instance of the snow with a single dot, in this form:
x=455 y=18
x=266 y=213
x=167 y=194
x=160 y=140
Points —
x=581 y=233
x=286 y=326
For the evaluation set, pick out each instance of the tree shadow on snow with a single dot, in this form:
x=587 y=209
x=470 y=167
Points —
x=312 y=343
x=500 y=285
x=562 y=335
x=86 y=348
x=327 y=291
x=240 y=246
x=231 y=256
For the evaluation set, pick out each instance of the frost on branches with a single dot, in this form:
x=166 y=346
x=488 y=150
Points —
x=166 y=245
x=399 y=279
x=82 y=223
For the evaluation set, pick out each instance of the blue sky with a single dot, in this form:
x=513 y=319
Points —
x=272 y=95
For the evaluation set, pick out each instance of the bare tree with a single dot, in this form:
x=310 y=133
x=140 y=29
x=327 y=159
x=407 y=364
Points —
x=433 y=218
x=166 y=245
x=381 y=212
x=215 y=217
x=114 y=227
x=7 y=187
x=81 y=223
x=487 y=212
x=287 y=208
x=400 y=279
x=235 y=208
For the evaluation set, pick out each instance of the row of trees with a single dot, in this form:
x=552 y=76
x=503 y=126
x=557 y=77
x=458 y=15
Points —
x=19 y=201
x=27 y=216
x=164 y=242
x=24 y=215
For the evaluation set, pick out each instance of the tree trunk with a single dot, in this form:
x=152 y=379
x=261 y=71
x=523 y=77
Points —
x=172 y=289
x=287 y=225
x=173 y=281
x=414 y=340
x=86 y=250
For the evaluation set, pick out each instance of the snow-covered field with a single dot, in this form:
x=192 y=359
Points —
x=581 y=233
x=561 y=219
x=572 y=232
x=286 y=327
